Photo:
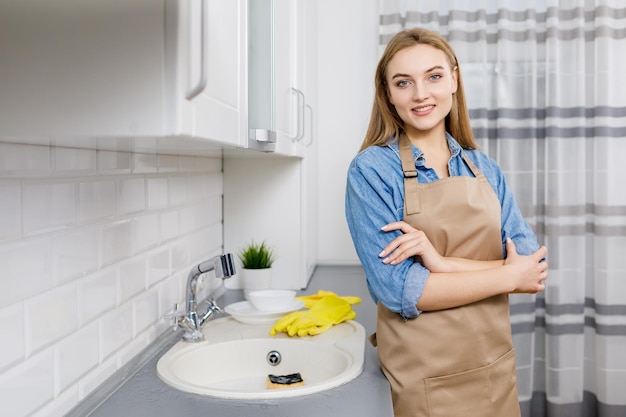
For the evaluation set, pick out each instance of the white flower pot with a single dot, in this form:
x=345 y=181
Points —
x=255 y=279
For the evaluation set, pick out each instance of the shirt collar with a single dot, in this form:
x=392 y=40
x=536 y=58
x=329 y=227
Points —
x=453 y=145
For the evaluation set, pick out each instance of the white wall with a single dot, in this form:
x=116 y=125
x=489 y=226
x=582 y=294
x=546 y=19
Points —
x=347 y=57
x=95 y=247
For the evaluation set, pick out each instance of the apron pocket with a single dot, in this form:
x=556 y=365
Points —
x=487 y=391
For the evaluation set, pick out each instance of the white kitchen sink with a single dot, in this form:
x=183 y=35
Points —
x=236 y=358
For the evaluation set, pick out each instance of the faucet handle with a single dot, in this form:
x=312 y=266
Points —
x=175 y=317
x=211 y=309
x=213 y=306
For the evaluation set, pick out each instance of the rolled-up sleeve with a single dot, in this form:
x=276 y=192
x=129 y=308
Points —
x=514 y=225
x=372 y=201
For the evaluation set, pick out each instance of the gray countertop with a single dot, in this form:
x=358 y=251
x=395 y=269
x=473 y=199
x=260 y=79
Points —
x=144 y=394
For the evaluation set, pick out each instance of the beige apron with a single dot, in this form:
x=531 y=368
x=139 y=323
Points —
x=457 y=362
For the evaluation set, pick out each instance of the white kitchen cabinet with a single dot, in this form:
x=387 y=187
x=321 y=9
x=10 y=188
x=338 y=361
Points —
x=292 y=108
x=274 y=198
x=119 y=68
x=210 y=67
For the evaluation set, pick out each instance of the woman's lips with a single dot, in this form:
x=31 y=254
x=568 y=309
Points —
x=423 y=110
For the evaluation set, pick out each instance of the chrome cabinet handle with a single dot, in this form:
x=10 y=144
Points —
x=310 y=141
x=301 y=104
x=193 y=92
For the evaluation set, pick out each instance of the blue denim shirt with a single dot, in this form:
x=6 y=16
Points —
x=375 y=197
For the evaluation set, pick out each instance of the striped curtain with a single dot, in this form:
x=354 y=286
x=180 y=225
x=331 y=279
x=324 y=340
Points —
x=546 y=88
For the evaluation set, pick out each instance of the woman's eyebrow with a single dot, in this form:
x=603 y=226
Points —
x=400 y=75
x=435 y=68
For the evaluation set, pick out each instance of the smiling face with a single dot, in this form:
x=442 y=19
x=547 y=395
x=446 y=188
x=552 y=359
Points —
x=420 y=85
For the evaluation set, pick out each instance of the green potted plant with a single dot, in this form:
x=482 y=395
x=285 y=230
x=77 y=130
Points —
x=256 y=266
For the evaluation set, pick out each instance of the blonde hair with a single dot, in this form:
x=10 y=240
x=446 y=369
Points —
x=385 y=121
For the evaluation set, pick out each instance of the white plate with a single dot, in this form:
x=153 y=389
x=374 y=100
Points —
x=244 y=312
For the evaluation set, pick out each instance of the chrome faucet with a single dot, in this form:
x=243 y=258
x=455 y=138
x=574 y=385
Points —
x=191 y=321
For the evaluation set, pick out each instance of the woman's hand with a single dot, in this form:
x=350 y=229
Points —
x=527 y=272
x=412 y=242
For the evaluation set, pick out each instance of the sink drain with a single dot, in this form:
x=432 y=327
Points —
x=273 y=358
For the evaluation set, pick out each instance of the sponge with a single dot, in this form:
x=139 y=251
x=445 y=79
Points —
x=284 y=381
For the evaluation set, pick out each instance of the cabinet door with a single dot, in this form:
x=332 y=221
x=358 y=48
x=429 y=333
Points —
x=81 y=68
x=293 y=47
x=119 y=68
x=285 y=64
x=211 y=70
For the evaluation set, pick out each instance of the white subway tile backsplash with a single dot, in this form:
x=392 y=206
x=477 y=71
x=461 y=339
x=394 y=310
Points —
x=132 y=278
x=76 y=355
x=158 y=266
x=170 y=292
x=116 y=329
x=96 y=377
x=131 y=195
x=116 y=242
x=179 y=255
x=48 y=206
x=11 y=210
x=146 y=232
x=28 y=386
x=186 y=163
x=190 y=217
x=144 y=163
x=212 y=211
x=169 y=225
x=196 y=187
x=95 y=248
x=24 y=160
x=157 y=193
x=50 y=316
x=75 y=253
x=204 y=242
x=210 y=166
x=12 y=325
x=73 y=161
x=26 y=269
x=112 y=162
x=179 y=191
x=167 y=163
x=61 y=406
x=96 y=201
x=145 y=310
x=132 y=349
x=97 y=294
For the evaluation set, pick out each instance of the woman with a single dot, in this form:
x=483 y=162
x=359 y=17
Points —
x=432 y=219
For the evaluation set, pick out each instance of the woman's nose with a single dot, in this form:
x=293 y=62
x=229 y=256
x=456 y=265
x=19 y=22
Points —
x=420 y=92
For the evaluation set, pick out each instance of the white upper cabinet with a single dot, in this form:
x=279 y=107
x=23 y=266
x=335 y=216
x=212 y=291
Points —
x=278 y=98
x=292 y=113
x=119 y=68
x=285 y=76
x=210 y=66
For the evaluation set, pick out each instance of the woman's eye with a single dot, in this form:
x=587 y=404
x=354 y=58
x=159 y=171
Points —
x=435 y=77
x=402 y=83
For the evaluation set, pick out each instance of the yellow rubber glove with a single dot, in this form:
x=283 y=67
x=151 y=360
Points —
x=325 y=313
x=310 y=300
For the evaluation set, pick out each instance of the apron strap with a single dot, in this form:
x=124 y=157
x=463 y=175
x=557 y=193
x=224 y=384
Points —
x=411 y=190
x=477 y=173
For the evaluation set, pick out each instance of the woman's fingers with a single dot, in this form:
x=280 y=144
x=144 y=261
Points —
x=404 y=227
x=410 y=243
x=394 y=244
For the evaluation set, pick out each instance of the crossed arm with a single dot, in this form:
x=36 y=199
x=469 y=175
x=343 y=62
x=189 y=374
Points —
x=457 y=281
